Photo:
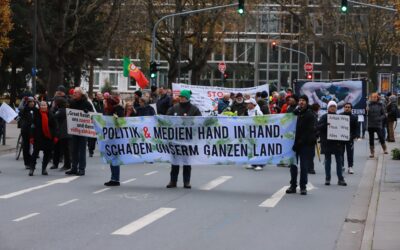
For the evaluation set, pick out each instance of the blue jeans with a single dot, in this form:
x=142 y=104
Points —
x=115 y=173
x=305 y=154
x=78 y=153
x=339 y=164
x=349 y=147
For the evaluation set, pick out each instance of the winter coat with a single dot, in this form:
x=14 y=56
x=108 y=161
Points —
x=184 y=109
x=264 y=107
x=240 y=108
x=36 y=132
x=254 y=112
x=82 y=104
x=163 y=104
x=328 y=146
x=392 y=109
x=305 y=128
x=26 y=119
x=354 y=126
x=145 y=111
x=222 y=105
x=98 y=105
x=117 y=110
x=376 y=115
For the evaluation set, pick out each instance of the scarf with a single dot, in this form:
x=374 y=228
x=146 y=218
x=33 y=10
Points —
x=45 y=125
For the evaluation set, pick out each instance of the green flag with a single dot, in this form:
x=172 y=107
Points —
x=127 y=62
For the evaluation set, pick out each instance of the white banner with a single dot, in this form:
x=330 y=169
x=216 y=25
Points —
x=80 y=123
x=339 y=127
x=206 y=97
x=7 y=113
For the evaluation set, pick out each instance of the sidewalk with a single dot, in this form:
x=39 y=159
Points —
x=12 y=133
x=387 y=221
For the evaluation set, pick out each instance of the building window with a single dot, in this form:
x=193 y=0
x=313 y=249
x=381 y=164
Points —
x=240 y=52
x=340 y=53
x=96 y=80
x=113 y=78
x=229 y=47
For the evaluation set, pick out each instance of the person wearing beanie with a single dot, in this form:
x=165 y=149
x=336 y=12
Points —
x=183 y=108
x=304 y=143
x=238 y=105
x=138 y=94
x=354 y=134
x=331 y=147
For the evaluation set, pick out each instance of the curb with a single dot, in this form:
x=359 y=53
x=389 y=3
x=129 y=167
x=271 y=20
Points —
x=368 y=235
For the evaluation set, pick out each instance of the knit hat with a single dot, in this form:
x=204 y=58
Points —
x=304 y=97
x=186 y=93
x=332 y=103
x=138 y=93
x=239 y=95
x=264 y=94
x=61 y=88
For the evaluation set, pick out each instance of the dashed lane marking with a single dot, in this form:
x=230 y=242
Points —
x=101 y=190
x=67 y=202
x=130 y=180
x=150 y=173
x=26 y=217
x=215 y=183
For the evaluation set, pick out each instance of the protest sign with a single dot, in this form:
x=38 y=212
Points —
x=206 y=97
x=339 y=127
x=80 y=123
x=341 y=92
x=7 y=113
x=196 y=140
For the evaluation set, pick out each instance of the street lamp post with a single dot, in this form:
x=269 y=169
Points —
x=34 y=70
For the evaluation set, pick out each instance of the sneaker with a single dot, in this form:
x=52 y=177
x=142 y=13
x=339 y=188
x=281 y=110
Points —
x=112 y=183
x=350 y=171
x=249 y=167
x=303 y=191
x=258 y=168
x=327 y=182
x=342 y=183
x=291 y=190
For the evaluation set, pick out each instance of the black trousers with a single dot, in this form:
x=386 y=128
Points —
x=26 y=148
x=91 y=144
x=379 y=132
x=187 y=169
x=62 y=149
x=46 y=147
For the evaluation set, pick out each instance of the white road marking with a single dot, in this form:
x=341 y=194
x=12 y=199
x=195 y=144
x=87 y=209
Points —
x=215 y=183
x=67 y=202
x=130 y=180
x=26 y=217
x=275 y=198
x=101 y=190
x=144 y=221
x=49 y=183
x=150 y=173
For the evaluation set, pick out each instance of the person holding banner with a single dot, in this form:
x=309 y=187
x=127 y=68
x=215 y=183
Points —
x=304 y=142
x=354 y=134
x=183 y=108
x=376 y=116
x=42 y=136
x=80 y=102
x=331 y=147
x=112 y=107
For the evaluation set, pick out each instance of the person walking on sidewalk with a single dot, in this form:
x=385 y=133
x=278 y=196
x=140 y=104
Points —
x=43 y=136
x=183 y=108
x=376 y=116
x=304 y=144
x=392 y=111
x=331 y=147
x=80 y=102
x=354 y=134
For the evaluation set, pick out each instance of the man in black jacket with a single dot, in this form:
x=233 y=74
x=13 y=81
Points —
x=80 y=102
x=354 y=134
x=183 y=108
x=304 y=144
x=164 y=102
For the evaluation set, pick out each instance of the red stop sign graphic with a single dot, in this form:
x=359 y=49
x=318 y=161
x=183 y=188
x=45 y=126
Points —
x=308 y=67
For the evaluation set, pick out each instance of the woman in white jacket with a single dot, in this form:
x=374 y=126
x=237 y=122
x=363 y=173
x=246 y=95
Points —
x=253 y=110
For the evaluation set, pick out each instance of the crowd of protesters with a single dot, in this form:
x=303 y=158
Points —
x=43 y=124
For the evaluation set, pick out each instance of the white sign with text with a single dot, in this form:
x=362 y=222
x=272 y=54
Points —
x=80 y=123
x=338 y=127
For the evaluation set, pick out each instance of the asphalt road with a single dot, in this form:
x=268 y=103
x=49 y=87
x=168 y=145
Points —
x=221 y=211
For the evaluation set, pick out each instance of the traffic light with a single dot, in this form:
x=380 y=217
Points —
x=273 y=44
x=153 y=70
x=344 y=6
x=309 y=76
x=241 y=7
